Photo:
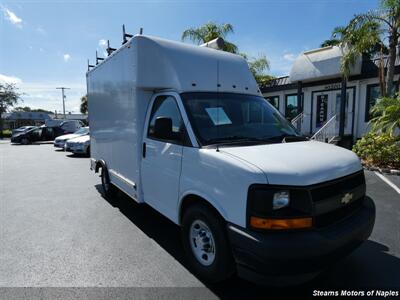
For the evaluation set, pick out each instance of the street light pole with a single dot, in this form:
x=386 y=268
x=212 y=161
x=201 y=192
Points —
x=63 y=97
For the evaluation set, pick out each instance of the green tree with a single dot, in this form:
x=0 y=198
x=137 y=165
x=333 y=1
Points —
x=84 y=105
x=20 y=108
x=386 y=115
x=41 y=110
x=28 y=109
x=258 y=66
x=208 y=32
x=9 y=97
x=375 y=34
x=330 y=42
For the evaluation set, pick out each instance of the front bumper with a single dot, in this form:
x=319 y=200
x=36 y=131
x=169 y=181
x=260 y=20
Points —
x=262 y=255
x=59 y=144
x=77 y=149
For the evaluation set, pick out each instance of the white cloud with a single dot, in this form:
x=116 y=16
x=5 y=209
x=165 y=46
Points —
x=45 y=95
x=103 y=47
x=12 y=17
x=40 y=30
x=289 y=56
x=66 y=57
x=10 y=79
x=103 y=43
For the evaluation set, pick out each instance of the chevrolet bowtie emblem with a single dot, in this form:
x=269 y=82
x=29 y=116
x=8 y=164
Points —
x=346 y=198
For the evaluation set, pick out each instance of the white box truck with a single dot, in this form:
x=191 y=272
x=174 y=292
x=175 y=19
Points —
x=186 y=130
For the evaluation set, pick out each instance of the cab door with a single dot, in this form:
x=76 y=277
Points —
x=162 y=155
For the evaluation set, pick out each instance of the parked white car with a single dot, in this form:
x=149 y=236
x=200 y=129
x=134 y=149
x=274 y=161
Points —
x=79 y=145
x=59 y=142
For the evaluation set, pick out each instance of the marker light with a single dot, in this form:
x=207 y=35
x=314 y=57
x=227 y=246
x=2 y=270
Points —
x=281 y=199
x=279 y=224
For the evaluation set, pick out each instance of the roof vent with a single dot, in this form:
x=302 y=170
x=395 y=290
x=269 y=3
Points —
x=217 y=44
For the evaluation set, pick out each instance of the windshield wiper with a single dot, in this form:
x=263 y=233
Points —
x=233 y=140
x=290 y=138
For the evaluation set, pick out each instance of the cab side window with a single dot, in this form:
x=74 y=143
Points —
x=166 y=108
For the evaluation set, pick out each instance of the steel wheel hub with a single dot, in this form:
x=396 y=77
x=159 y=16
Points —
x=202 y=243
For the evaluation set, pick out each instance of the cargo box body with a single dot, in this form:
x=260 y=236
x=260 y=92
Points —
x=120 y=89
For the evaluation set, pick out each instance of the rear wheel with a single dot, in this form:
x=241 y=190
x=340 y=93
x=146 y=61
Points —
x=109 y=190
x=206 y=244
x=25 y=141
x=88 y=151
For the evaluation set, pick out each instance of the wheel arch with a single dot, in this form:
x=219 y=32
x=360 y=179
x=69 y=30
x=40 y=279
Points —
x=99 y=165
x=191 y=198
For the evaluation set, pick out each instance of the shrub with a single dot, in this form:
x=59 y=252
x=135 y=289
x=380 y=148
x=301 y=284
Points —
x=380 y=150
x=6 y=133
x=386 y=115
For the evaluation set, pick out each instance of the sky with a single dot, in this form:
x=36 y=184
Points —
x=46 y=44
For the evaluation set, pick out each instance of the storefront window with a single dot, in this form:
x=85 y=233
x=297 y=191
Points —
x=373 y=93
x=274 y=100
x=293 y=107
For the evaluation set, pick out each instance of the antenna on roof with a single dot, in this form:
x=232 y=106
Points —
x=125 y=35
x=89 y=65
x=98 y=58
x=141 y=31
x=109 y=49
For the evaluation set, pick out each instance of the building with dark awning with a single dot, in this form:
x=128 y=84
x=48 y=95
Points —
x=310 y=96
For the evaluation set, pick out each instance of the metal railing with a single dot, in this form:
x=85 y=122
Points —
x=297 y=121
x=328 y=132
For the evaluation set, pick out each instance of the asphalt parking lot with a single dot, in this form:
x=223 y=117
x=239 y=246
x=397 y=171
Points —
x=58 y=231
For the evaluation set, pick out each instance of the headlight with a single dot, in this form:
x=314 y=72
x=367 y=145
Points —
x=281 y=199
x=278 y=207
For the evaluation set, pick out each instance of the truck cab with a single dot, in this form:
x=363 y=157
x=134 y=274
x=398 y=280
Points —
x=207 y=151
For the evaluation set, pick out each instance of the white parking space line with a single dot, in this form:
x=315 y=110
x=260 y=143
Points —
x=388 y=182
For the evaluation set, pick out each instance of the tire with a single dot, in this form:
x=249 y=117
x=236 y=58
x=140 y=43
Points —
x=88 y=151
x=25 y=141
x=109 y=190
x=216 y=263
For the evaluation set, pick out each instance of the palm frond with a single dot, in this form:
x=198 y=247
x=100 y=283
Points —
x=195 y=35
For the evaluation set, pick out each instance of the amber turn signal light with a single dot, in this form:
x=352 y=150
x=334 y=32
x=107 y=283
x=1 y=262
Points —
x=279 y=224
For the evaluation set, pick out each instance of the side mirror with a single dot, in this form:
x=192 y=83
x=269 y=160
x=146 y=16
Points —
x=163 y=128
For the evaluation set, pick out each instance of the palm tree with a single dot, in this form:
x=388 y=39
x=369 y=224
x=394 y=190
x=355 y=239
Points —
x=387 y=115
x=258 y=66
x=209 y=32
x=375 y=34
x=330 y=42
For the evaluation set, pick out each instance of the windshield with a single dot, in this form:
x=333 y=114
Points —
x=82 y=130
x=219 y=118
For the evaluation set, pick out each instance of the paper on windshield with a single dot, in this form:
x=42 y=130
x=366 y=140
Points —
x=218 y=116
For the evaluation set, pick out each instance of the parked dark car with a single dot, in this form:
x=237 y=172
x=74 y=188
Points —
x=22 y=129
x=38 y=134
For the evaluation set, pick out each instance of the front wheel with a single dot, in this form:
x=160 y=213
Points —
x=206 y=244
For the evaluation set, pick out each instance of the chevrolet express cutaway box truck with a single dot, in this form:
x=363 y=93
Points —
x=186 y=130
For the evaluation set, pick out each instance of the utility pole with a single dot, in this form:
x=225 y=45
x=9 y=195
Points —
x=63 y=97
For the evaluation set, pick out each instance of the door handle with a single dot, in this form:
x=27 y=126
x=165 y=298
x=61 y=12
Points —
x=144 y=150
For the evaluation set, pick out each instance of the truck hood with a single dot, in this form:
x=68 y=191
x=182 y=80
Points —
x=298 y=163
